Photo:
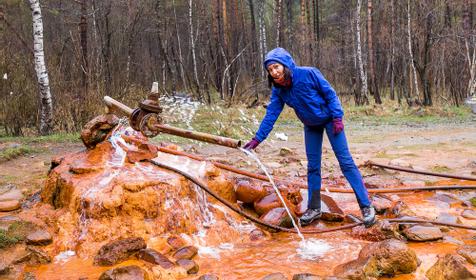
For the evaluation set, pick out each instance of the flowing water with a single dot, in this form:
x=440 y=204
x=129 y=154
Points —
x=310 y=249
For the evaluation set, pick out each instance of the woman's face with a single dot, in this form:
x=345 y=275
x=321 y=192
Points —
x=276 y=70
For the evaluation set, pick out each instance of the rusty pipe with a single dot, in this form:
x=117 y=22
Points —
x=304 y=186
x=200 y=136
x=409 y=170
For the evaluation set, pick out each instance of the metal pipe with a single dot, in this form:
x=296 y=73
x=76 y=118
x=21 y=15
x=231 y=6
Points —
x=371 y=163
x=200 y=136
x=303 y=186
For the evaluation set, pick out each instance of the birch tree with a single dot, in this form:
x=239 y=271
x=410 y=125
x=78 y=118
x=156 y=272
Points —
x=470 y=45
x=46 y=102
x=262 y=34
x=410 y=51
x=363 y=97
x=373 y=79
x=192 y=44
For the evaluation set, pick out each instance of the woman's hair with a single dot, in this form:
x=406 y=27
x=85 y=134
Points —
x=287 y=77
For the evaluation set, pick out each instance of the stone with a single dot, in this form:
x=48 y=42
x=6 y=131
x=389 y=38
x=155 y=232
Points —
x=248 y=192
x=332 y=217
x=29 y=276
x=267 y=203
x=401 y=209
x=189 y=265
x=96 y=130
x=10 y=192
x=152 y=256
x=449 y=267
x=285 y=151
x=400 y=162
x=382 y=230
x=208 y=277
x=6 y=221
x=33 y=256
x=447 y=218
x=277 y=216
x=257 y=234
x=390 y=257
x=306 y=276
x=452 y=240
x=145 y=151
x=118 y=250
x=177 y=272
x=468 y=252
x=187 y=252
x=423 y=233
x=130 y=272
x=469 y=214
x=275 y=276
x=176 y=242
x=381 y=203
x=9 y=205
x=4 y=268
x=39 y=237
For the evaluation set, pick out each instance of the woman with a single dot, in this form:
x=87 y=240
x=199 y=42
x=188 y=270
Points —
x=317 y=106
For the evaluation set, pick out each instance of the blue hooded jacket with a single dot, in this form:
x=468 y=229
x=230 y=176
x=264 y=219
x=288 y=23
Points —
x=311 y=96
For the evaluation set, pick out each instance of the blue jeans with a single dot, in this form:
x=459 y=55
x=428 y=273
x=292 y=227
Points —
x=313 y=139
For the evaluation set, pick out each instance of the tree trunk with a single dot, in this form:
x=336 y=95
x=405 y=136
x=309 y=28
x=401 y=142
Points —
x=192 y=44
x=180 y=57
x=373 y=81
x=46 y=102
x=262 y=35
x=410 y=52
x=279 y=20
x=315 y=9
x=392 y=50
x=470 y=44
x=362 y=98
x=83 y=38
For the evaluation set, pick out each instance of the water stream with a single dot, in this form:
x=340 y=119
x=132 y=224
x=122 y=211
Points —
x=310 y=249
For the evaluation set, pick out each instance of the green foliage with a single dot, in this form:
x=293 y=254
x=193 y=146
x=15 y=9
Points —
x=10 y=153
x=16 y=232
x=53 y=138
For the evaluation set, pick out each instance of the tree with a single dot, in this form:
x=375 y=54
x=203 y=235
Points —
x=46 y=102
x=361 y=98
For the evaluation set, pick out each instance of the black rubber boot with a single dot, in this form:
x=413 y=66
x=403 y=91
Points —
x=310 y=216
x=368 y=216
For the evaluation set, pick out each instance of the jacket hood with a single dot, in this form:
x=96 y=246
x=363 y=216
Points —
x=282 y=56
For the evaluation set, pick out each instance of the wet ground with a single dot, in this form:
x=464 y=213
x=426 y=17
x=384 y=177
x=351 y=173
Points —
x=447 y=148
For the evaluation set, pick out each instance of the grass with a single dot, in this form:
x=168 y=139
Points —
x=16 y=233
x=10 y=153
x=53 y=138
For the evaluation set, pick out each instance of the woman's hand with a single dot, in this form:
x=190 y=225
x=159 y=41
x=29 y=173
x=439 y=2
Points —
x=338 y=126
x=251 y=145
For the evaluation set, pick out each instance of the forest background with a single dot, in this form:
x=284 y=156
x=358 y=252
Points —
x=419 y=54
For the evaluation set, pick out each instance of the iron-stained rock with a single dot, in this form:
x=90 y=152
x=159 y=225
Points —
x=449 y=267
x=208 y=277
x=96 y=130
x=119 y=250
x=469 y=214
x=381 y=203
x=152 y=256
x=277 y=216
x=130 y=272
x=189 y=265
x=423 y=233
x=275 y=276
x=249 y=192
x=468 y=252
x=176 y=242
x=9 y=205
x=306 y=276
x=39 y=237
x=382 y=230
x=187 y=252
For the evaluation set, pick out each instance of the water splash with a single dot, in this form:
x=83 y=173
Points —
x=312 y=249
x=261 y=165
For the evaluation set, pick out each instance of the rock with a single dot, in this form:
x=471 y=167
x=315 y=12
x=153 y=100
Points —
x=29 y=276
x=389 y=258
x=33 y=256
x=187 y=252
x=96 y=130
x=381 y=203
x=401 y=209
x=152 y=256
x=277 y=216
x=144 y=151
x=275 y=276
x=39 y=237
x=332 y=217
x=118 y=250
x=285 y=151
x=176 y=242
x=6 y=221
x=130 y=272
x=267 y=203
x=189 y=265
x=449 y=267
x=423 y=233
x=257 y=234
x=446 y=197
x=473 y=201
x=469 y=214
x=447 y=218
x=174 y=273
x=452 y=240
x=248 y=192
x=208 y=277
x=10 y=192
x=4 y=268
x=382 y=230
x=468 y=252
x=306 y=276
x=9 y=205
